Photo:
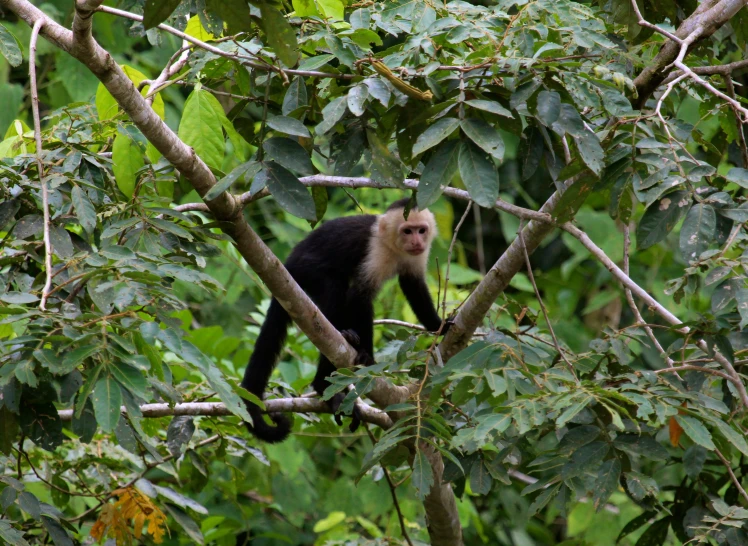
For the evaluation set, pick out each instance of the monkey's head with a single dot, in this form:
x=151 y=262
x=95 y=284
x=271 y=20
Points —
x=412 y=236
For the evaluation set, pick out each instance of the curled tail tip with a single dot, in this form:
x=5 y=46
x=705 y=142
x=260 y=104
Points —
x=268 y=433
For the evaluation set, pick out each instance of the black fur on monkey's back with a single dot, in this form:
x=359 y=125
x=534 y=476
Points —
x=323 y=264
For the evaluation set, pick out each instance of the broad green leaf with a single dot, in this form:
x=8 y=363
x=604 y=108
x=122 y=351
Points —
x=656 y=534
x=585 y=459
x=278 y=31
x=107 y=400
x=549 y=107
x=295 y=97
x=591 y=151
x=289 y=153
x=607 y=482
x=305 y=8
x=331 y=114
x=742 y=300
x=10 y=47
x=388 y=167
x=696 y=430
x=181 y=500
x=245 y=171
x=694 y=459
x=196 y=29
x=661 y=217
x=351 y=149
x=8 y=210
x=18 y=298
x=331 y=9
x=736 y=438
x=739 y=176
x=107 y=107
x=292 y=195
x=489 y=106
x=479 y=174
x=130 y=378
x=480 y=479
x=8 y=430
x=332 y=519
x=72 y=359
x=127 y=159
x=423 y=476
x=357 y=98
x=339 y=49
x=202 y=129
x=84 y=210
x=697 y=232
x=156 y=12
x=435 y=134
x=485 y=136
x=186 y=523
x=439 y=171
x=41 y=423
x=289 y=126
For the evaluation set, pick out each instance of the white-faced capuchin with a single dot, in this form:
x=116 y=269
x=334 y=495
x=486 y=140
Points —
x=341 y=266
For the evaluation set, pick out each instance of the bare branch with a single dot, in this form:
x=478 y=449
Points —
x=39 y=163
x=279 y=405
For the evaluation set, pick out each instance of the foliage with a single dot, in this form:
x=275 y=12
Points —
x=594 y=443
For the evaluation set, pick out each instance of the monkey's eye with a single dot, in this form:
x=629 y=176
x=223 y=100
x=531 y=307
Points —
x=422 y=231
x=407 y=231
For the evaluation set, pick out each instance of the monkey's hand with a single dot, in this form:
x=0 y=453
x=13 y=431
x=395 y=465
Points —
x=447 y=325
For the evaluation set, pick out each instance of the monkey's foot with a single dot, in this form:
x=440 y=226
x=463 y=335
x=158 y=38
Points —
x=334 y=404
x=362 y=358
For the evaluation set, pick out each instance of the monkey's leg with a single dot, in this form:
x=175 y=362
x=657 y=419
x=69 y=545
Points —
x=360 y=319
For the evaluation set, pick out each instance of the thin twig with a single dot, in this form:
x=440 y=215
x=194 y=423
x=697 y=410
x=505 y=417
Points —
x=39 y=164
x=392 y=487
x=542 y=305
x=449 y=258
x=735 y=480
x=480 y=253
x=632 y=304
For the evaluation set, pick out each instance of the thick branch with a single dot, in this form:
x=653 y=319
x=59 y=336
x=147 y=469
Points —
x=710 y=16
x=282 y=405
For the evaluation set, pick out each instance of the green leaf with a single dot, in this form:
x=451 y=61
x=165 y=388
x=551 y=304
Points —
x=656 y=534
x=333 y=519
x=56 y=531
x=305 y=8
x=331 y=114
x=202 y=129
x=84 y=209
x=289 y=153
x=245 y=170
x=661 y=217
x=8 y=430
x=485 y=136
x=388 y=167
x=107 y=400
x=591 y=151
x=439 y=171
x=607 y=482
x=186 y=523
x=356 y=98
x=127 y=159
x=8 y=210
x=698 y=231
x=696 y=430
x=351 y=149
x=19 y=298
x=156 y=12
x=10 y=47
x=422 y=477
x=107 y=107
x=332 y=9
x=279 y=33
x=693 y=460
x=72 y=359
x=292 y=195
x=489 y=106
x=549 y=107
x=736 y=438
x=343 y=53
x=585 y=459
x=435 y=134
x=289 y=126
x=480 y=479
x=130 y=378
x=41 y=423
x=739 y=176
x=478 y=173
x=295 y=97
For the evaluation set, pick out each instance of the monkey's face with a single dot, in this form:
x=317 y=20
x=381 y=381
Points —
x=414 y=238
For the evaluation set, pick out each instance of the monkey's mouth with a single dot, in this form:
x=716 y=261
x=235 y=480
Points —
x=415 y=251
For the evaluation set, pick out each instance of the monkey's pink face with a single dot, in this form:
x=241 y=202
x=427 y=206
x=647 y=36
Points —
x=414 y=237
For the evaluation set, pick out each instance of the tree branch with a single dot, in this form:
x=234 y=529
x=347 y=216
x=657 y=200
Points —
x=279 y=405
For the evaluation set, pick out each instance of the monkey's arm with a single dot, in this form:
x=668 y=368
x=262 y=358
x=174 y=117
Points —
x=418 y=296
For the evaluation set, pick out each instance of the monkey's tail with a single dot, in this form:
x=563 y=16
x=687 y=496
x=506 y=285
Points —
x=256 y=376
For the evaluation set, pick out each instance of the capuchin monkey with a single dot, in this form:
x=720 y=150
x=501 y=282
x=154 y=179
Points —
x=341 y=266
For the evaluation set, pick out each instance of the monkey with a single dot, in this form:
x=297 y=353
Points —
x=341 y=266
